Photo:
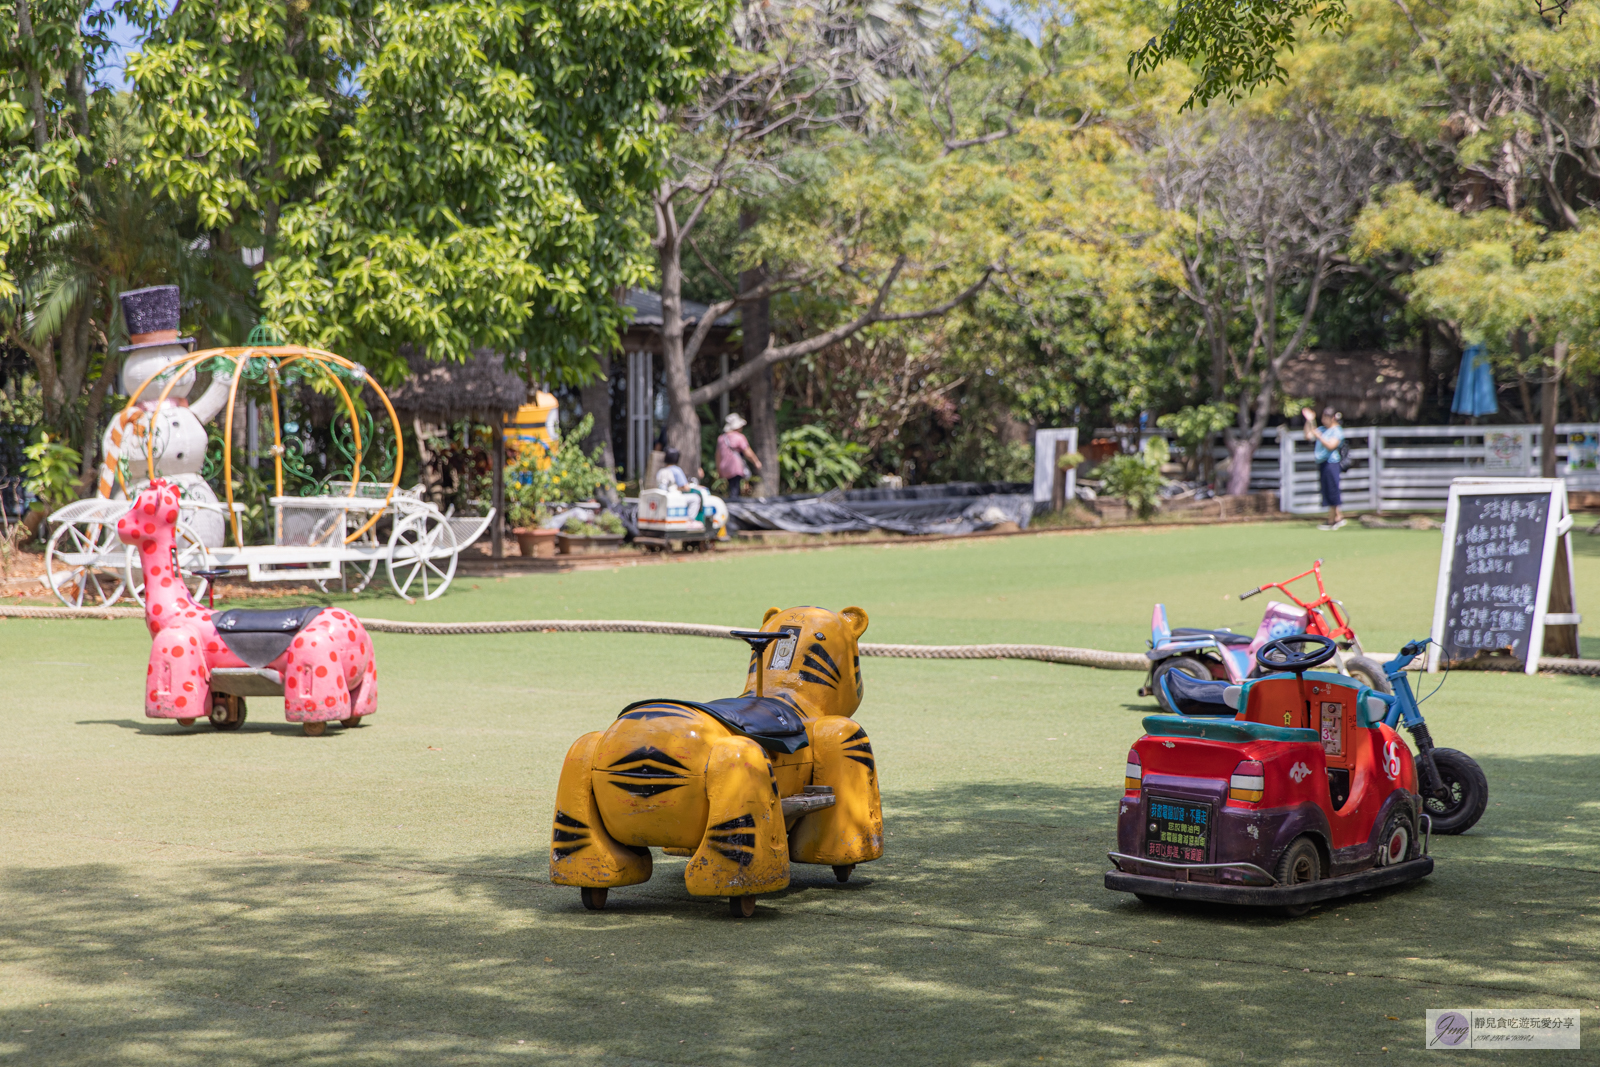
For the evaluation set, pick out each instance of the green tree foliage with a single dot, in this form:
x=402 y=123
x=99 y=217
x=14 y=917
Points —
x=1237 y=45
x=451 y=175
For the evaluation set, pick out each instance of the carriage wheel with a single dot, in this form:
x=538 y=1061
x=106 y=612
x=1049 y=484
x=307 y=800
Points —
x=193 y=556
x=593 y=899
x=741 y=907
x=82 y=563
x=351 y=723
x=313 y=729
x=422 y=556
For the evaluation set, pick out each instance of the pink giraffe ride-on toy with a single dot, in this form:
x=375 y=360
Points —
x=204 y=663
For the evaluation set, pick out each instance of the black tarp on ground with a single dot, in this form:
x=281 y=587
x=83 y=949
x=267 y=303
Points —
x=954 y=508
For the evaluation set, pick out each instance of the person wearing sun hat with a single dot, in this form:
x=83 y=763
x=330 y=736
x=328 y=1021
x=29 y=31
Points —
x=733 y=449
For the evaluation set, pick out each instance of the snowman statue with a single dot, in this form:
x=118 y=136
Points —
x=177 y=425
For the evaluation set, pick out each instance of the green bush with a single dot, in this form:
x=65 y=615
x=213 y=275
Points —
x=1137 y=478
x=814 y=461
x=51 y=471
x=570 y=477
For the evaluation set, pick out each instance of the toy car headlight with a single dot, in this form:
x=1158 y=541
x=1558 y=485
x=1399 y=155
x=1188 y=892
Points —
x=1134 y=775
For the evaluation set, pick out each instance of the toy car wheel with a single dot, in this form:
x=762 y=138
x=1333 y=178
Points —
x=313 y=729
x=351 y=723
x=741 y=907
x=1369 y=674
x=842 y=871
x=1194 y=668
x=227 y=711
x=186 y=722
x=593 y=899
x=1466 y=793
x=1299 y=864
x=1398 y=841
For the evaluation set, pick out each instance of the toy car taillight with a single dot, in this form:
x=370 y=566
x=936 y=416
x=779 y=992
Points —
x=1134 y=775
x=1248 y=783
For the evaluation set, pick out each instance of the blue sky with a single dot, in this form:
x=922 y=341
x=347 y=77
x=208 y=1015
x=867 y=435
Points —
x=127 y=40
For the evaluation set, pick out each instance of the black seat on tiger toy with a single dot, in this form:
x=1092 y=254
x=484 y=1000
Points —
x=259 y=637
x=1222 y=636
x=773 y=724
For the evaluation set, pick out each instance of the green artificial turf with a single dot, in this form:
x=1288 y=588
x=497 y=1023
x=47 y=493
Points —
x=379 y=896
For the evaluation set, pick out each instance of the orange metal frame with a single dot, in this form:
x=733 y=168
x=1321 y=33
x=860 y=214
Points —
x=277 y=356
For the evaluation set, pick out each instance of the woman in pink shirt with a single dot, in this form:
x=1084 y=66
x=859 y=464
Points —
x=733 y=448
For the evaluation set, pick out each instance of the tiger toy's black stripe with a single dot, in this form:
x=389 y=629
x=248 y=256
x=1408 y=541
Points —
x=736 y=824
x=815 y=679
x=649 y=752
x=865 y=761
x=560 y=835
x=643 y=790
x=814 y=652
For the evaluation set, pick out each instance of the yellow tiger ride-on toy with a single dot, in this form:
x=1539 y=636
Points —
x=742 y=786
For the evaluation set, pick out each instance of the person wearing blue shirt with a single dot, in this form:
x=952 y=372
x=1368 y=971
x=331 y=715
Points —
x=1327 y=437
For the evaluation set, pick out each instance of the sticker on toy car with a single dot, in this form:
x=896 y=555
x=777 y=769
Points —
x=1391 y=760
x=1332 y=728
x=1178 y=831
x=1299 y=772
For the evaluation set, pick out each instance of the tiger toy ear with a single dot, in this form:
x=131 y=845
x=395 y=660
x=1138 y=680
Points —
x=770 y=613
x=855 y=619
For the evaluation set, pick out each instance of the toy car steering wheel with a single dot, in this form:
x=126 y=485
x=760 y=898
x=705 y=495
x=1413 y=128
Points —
x=1279 y=655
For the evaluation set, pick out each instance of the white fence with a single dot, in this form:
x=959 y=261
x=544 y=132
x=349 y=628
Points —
x=1409 y=468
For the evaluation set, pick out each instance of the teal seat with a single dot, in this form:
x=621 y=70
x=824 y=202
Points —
x=1230 y=731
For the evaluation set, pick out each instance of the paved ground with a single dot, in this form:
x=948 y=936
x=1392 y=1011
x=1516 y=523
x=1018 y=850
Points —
x=379 y=896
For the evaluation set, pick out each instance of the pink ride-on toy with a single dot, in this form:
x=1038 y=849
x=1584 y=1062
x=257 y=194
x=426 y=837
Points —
x=1224 y=655
x=204 y=663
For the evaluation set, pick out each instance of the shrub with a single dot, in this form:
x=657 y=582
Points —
x=814 y=461
x=1137 y=478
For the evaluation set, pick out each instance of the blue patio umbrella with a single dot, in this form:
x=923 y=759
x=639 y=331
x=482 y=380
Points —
x=1475 y=384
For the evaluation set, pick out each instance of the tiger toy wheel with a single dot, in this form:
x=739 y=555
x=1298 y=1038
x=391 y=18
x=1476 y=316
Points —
x=741 y=907
x=593 y=899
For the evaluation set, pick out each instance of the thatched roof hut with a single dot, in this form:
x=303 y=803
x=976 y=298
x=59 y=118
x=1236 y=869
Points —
x=481 y=389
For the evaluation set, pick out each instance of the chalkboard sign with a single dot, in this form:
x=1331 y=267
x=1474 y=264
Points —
x=1501 y=538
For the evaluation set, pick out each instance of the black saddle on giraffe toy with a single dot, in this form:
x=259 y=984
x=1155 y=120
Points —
x=743 y=786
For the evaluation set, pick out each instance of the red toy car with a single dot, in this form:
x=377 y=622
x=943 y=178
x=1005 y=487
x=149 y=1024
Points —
x=1302 y=793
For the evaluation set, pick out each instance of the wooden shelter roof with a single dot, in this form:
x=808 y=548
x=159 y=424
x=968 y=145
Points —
x=481 y=388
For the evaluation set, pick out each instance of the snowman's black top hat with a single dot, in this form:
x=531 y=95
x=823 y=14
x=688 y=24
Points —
x=152 y=317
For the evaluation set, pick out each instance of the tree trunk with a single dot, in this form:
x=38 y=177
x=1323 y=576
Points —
x=1241 y=454
x=683 y=422
x=596 y=400
x=1549 y=400
x=757 y=322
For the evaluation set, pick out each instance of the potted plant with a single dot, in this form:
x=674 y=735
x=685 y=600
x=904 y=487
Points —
x=605 y=534
x=539 y=480
x=525 y=517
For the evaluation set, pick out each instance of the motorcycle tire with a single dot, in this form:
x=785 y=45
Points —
x=1193 y=667
x=1369 y=673
x=1468 y=791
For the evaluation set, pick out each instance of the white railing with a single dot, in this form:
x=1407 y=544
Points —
x=1397 y=468
x=1410 y=468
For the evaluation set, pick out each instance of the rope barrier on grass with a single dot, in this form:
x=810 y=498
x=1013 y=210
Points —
x=1077 y=657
